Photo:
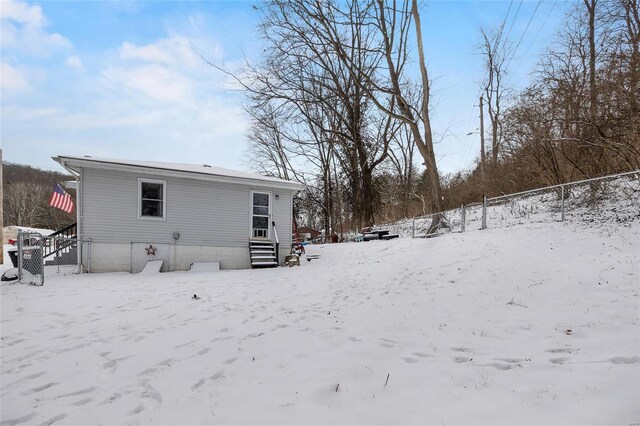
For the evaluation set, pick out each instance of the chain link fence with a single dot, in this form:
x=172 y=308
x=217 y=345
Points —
x=42 y=256
x=606 y=199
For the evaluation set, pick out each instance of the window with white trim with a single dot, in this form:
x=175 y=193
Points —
x=151 y=199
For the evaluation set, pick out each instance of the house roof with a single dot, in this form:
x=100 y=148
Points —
x=194 y=171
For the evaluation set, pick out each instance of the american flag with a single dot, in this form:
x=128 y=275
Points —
x=61 y=200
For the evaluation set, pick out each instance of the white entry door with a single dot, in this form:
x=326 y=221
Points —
x=260 y=214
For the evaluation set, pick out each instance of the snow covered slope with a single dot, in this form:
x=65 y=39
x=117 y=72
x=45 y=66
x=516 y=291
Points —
x=535 y=324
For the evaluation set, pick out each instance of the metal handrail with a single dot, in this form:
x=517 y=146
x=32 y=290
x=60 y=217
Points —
x=58 y=246
x=65 y=231
x=275 y=233
x=68 y=233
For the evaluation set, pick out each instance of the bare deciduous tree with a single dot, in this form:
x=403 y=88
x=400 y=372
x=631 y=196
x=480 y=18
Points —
x=496 y=51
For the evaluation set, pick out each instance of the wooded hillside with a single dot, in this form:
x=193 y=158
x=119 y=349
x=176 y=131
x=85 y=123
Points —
x=26 y=197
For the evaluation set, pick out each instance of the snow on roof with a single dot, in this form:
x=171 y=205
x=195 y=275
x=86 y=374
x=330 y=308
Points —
x=42 y=231
x=200 y=169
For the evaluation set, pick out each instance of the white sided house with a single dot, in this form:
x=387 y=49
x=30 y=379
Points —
x=132 y=212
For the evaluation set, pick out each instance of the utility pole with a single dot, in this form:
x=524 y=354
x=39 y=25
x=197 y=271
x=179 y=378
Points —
x=482 y=147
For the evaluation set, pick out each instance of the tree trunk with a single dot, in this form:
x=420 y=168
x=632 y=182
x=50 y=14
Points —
x=426 y=148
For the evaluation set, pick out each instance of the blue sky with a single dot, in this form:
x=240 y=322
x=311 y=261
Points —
x=125 y=79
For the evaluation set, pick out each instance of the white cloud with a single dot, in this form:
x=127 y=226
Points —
x=22 y=13
x=156 y=101
x=168 y=70
x=12 y=80
x=75 y=62
x=153 y=81
x=24 y=28
x=173 y=51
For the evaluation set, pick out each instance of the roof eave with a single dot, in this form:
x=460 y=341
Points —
x=74 y=163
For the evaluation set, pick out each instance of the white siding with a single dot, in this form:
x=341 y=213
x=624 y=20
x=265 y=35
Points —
x=204 y=213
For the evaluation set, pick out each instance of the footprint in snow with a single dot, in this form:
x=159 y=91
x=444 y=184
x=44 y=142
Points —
x=18 y=420
x=136 y=410
x=203 y=351
x=81 y=392
x=167 y=362
x=147 y=372
x=561 y=360
x=230 y=360
x=561 y=350
x=409 y=360
x=43 y=387
x=198 y=384
x=82 y=402
x=150 y=392
x=54 y=419
x=511 y=360
x=499 y=366
x=218 y=375
x=461 y=359
x=112 y=398
x=62 y=336
x=34 y=376
x=624 y=360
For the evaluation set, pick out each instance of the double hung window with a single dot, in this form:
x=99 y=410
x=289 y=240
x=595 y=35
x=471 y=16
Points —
x=152 y=199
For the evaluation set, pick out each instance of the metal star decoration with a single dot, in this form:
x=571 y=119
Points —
x=151 y=250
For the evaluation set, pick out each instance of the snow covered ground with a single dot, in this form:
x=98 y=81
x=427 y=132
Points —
x=534 y=324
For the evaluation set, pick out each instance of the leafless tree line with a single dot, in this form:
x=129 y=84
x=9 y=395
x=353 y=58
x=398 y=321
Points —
x=334 y=106
x=336 y=103
x=579 y=117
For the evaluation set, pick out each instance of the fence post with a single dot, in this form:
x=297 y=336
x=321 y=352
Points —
x=41 y=246
x=462 y=218
x=484 y=212
x=562 y=204
x=413 y=228
x=19 y=255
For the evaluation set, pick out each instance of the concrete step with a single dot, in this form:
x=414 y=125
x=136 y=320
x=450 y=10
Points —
x=273 y=252
x=273 y=258
x=262 y=254
x=264 y=264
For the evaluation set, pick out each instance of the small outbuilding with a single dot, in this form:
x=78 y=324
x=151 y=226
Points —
x=308 y=234
x=132 y=212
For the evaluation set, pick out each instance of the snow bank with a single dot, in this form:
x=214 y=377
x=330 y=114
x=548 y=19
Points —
x=534 y=324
